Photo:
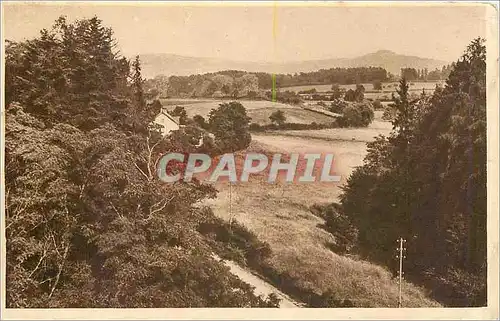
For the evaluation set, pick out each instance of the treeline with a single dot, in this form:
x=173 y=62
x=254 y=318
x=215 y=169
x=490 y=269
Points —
x=88 y=223
x=237 y=84
x=412 y=74
x=426 y=182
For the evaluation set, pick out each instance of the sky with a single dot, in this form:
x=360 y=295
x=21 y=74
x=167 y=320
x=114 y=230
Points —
x=266 y=31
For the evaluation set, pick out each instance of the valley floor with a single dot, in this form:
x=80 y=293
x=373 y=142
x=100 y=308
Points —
x=279 y=214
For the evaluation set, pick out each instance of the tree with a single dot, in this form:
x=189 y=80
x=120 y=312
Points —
x=377 y=85
x=350 y=95
x=336 y=91
x=252 y=94
x=337 y=106
x=377 y=105
x=278 y=117
x=230 y=125
x=211 y=89
x=88 y=222
x=356 y=115
x=69 y=74
x=409 y=74
x=200 y=121
x=426 y=182
x=226 y=90
x=137 y=82
x=180 y=112
x=359 y=93
x=404 y=121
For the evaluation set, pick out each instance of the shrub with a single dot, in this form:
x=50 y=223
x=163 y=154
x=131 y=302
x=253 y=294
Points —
x=229 y=124
x=255 y=127
x=278 y=117
x=310 y=91
x=377 y=85
x=234 y=241
x=293 y=126
x=252 y=94
x=357 y=115
x=200 y=121
x=377 y=105
x=287 y=97
x=337 y=106
x=390 y=113
x=180 y=112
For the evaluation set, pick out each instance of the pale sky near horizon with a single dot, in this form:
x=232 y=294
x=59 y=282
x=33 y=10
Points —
x=266 y=33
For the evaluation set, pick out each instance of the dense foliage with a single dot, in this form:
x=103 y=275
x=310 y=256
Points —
x=356 y=115
x=355 y=95
x=285 y=97
x=88 y=224
x=411 y=74
x=293 y=126
x=278 y=117
x=426 y=182
x=230 y=125
x=180 y=112
x=235 y=83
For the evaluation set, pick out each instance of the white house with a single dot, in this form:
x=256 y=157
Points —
x=167 y=122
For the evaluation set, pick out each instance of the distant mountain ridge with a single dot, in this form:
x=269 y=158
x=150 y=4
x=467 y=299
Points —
x=178 y=65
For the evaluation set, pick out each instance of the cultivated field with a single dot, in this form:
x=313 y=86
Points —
x=258 y=110
x=279 y=214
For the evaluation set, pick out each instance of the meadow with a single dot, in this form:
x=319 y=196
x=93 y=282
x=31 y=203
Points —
x=258 y=110
x=279 y=214
x=387 y=88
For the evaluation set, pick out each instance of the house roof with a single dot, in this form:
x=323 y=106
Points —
x=172 y=118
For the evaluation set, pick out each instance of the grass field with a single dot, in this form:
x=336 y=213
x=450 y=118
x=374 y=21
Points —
x=279 y=214
x=352 y=135
x=258 y=110
x=388 y=88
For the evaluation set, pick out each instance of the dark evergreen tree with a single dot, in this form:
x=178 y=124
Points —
x=88 y=223
x=427 y=183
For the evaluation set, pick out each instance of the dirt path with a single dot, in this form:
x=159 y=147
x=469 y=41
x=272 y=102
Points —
x=261 y=287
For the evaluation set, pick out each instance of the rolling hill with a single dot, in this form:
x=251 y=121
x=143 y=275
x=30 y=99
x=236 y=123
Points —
x=171 y=64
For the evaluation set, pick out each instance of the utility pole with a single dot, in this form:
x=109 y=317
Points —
x=230 y=205
x=401 y=250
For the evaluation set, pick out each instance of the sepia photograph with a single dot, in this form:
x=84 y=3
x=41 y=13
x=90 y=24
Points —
x=274 y=157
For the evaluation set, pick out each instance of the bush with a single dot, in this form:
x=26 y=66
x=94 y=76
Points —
x=292 y=126
x=357 y=115
x=337 y=106
x=254 y=127
x=377 y=85
x=287 y=97
x=310 y=91
x=456 y=287
x=229 y=124
x=252 y=94
x=278 y=117
x=339 y=225
x=377 y=105
x=180 y=112
x=390 y=113
x=234 y=241
x=200 y=121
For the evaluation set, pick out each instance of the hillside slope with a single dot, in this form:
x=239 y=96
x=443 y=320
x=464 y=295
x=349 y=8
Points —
x=279 y=215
